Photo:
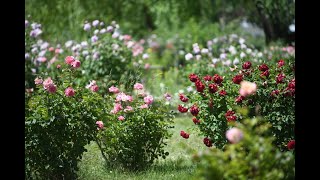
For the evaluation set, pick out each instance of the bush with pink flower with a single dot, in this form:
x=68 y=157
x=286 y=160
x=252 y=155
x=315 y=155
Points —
x=135 y=130
x=40 y=55
x=108 y=55
x=61 y=117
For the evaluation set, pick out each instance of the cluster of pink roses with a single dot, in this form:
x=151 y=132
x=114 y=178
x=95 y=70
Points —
x=124 y=99
x=70 y=60
x=47 y=84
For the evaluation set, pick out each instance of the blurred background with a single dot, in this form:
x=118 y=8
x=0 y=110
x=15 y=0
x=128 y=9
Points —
x=260 y=21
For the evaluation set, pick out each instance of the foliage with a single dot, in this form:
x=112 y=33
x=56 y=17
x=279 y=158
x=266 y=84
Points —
x=59 y=121
x=253 y=157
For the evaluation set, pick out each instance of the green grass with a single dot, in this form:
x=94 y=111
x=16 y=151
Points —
x=178 y=165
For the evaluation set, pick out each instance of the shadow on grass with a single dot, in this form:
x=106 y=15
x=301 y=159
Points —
x=168 y=166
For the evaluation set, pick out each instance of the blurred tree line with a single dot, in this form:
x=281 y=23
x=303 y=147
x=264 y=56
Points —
x=64 y=19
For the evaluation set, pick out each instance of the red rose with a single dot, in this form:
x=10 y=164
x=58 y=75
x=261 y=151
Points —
x=280 y=63
x=182 y=109
x=289 y=92
x=183 y=98
x=265 y=74
x=229 y=113
x=291 y=144
x=223 y=93
x=230 y=116
x=279 y=78
x=263 y=67
x=274 y=93
x=207 y=142
x=213 y=88
x=194 y=110
x=246 y=65
x=207 y=78
x=195 y=120
x=193 y=77
x=217 y=79
x=292 y=84
x=237 y=79
x=200 y=86
x=184 y=134
x=239 y=99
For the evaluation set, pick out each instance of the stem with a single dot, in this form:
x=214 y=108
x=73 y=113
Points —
x=70 y=76
x=100 y=147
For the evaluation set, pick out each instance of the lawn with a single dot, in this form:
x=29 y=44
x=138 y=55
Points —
x=178 y=165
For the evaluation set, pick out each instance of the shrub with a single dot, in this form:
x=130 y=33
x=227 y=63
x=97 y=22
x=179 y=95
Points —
x=39 y=54
x=135 y=130
x=59 y=121
x=108 y=56
x=267 y=89
x=251 y=156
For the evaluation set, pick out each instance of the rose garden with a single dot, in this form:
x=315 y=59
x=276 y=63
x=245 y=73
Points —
x=114 y=104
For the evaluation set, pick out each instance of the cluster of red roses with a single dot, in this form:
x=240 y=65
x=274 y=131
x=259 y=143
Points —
x=214 y=85
x=230 y=116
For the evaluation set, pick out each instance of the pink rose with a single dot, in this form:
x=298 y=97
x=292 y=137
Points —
x=144 y=106
x=123 y=97
x=114 y=89
x=247 y=88
x=138 y=86
x=47 y=82
x=52 y=88
x=148 y=100
x=116 y=108
x=129 y=98
x=94 y=88
x=69 y=59
x=121 y=118
x=147 y=66
x=51 y=49
x=57 y=51
x=100 y=124
x=76 y=64
x=38 y=81
x=167 y=96
x=128 y=109
x=69 y=92
x=234 y=135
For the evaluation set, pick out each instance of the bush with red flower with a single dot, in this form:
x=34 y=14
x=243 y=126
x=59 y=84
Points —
x=267 y=89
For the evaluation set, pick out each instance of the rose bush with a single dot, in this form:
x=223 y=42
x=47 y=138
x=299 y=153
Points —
x=60 y=120
x=135 y=130
x=108 y=56
x=267 y=89
x=40 y=55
